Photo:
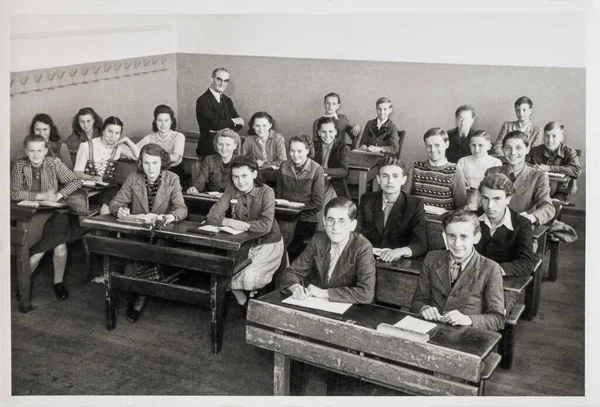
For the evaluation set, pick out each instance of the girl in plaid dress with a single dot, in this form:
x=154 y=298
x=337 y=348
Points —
x=249 y=205
x=155 y=191
x=37 y=178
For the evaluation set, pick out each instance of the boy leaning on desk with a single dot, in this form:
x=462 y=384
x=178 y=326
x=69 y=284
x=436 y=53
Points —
x=337 y=264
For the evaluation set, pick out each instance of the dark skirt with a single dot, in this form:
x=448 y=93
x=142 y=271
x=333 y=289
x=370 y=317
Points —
x=59 y=228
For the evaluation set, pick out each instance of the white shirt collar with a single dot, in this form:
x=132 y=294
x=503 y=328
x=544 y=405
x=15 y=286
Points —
x=463 y=264
x=333 y=115
x=380 y=123
x=506 y=221
x=217 y=95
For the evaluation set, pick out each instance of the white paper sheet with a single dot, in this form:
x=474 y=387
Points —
x=320 y=304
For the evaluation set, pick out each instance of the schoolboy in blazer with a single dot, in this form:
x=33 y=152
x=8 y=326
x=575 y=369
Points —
x=532 y=187
x=459 y=286
x=506 y=237
x=337 y=264
x=391 y=218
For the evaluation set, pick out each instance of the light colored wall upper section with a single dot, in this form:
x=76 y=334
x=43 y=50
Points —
x=39 y=42
x=526 y=39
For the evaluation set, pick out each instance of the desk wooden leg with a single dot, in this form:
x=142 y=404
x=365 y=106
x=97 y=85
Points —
x=24 y=279
x=537 y=293
x=530 y=297
x=554 y=244
x=111 y=296
x=281 y=375
x=362 y=184
x=217 y=310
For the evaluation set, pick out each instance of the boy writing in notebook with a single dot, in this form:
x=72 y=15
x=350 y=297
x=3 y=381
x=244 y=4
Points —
x=337 y=264
x=392 y=219
x=458 y=286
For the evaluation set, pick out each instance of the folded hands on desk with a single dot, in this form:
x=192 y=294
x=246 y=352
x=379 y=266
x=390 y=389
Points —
x=453 y=317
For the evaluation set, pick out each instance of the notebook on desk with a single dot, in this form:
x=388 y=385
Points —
x=322 y=304
x=434 y=210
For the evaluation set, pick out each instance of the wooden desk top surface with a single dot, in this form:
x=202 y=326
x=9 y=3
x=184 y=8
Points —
x=473 y=341
x=363 y=161
x=175 y=232
x=201 y=203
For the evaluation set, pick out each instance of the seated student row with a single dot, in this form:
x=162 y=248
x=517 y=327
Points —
x=390 y=168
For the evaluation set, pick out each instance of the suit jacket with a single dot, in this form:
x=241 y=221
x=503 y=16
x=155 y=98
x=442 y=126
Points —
x=512 y=249
x=386 y=137
x=458 y=147
x=478 y=292
x=353 y=278
x=532 y=192
x=213 y=116
x=169 y=198
x=405 y=226
x=337 y=165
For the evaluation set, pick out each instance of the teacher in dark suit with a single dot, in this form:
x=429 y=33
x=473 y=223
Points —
x=214 y=112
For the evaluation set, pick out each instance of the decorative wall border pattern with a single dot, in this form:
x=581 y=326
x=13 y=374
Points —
x=49 y=79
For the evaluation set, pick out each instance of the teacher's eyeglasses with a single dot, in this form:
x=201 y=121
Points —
x=221 y=80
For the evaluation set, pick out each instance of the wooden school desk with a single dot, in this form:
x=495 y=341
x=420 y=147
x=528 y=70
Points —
x=351 y=345
x=362 y=169
x=19 y=246
x=222 y=256
x=397 y=281
x=200 y=204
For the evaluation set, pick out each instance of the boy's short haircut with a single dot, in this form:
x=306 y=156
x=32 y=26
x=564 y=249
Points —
x=326 y=120
x=524 y=99
x=481 y=133
x=461 y=215
x=499 y=182
x=302 y=138
x=436 y=131
x=465 y=108
x=333 y=95
x=342 y=202
x=518 y=135
x=390 y=160
x=383 y=100
x=552 y=125
x=30 y=138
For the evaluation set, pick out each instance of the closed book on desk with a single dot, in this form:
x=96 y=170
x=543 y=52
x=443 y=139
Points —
x=409 y=328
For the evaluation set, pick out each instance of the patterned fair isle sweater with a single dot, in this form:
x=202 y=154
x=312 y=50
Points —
x=441 y=186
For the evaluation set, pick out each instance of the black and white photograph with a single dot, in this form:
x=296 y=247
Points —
x=317 y=203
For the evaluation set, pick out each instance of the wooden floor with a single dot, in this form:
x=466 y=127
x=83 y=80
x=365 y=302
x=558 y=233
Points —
x=63 y=348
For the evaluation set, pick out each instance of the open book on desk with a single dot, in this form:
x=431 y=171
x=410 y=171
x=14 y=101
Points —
x=409 y=328
x=91 y=183
x=358 y=150
x=322 y=304
x=285 y=202
x=213 y=230
x=42 y=204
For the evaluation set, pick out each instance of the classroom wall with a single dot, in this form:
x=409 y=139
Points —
x=424 y=95
x=130 y=89
x=118 y=64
